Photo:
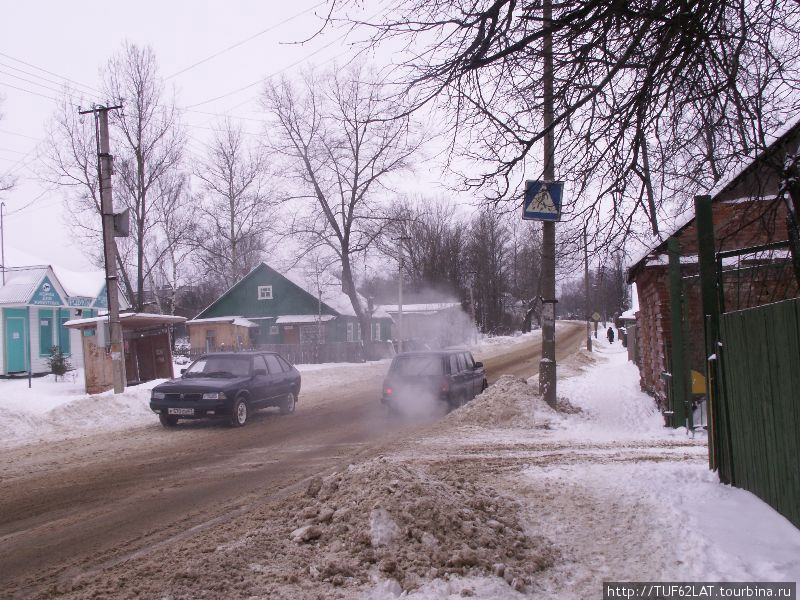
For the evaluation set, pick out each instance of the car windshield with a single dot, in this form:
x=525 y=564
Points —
x=220 y=366
x=417 y=365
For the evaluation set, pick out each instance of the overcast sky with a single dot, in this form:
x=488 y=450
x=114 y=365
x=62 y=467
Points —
x=42 y=44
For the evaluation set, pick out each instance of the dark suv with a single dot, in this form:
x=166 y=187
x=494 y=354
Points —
x=229 y=385
x=446 y=377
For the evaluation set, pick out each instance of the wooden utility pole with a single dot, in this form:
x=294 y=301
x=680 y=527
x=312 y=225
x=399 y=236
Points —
x=401 y=240
x=586 y=289
x=104 y=172
x=547 y=364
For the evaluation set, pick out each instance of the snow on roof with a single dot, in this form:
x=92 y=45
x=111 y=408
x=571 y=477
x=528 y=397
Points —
x=88 y=284
x=303 y=318
x=327 y=287
x=21 y=284
x=427 y=309
x=127 y=317
x=628 y=315
x=239 y=321
x=687 y=217
x=745 y=163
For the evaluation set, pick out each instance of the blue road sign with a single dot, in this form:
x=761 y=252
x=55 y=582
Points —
x=543 y=200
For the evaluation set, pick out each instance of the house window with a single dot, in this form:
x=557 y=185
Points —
x=63 y=332
x=265 y=292
x=376 y=332
x=45 y=331
x=211 y=340
x=273 y=330
x=350 y=330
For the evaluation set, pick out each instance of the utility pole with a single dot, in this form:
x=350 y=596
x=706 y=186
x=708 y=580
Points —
x=547 y=364
x=3 y=241
x=586 y=289
x=401 y=240
x=473 y=279
x=104 y=171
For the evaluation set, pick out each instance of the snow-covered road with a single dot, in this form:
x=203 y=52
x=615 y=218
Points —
x=504 y=498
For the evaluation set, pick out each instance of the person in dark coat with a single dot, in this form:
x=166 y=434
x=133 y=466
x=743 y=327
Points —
x=610 y=334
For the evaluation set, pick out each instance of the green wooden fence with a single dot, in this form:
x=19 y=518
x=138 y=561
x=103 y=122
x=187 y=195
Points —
x=760 y=389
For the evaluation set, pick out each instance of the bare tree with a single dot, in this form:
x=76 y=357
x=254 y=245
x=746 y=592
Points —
x=488 y=251
x=651 y=97
x=170 y=254
x=148 y=141
x=340 y=147
x=434 y=260
x=236 y=208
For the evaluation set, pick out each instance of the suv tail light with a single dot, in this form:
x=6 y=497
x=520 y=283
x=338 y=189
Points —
x=387 y=391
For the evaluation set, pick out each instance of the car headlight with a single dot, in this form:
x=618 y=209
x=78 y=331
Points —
x=214 y=396
x=158 y=395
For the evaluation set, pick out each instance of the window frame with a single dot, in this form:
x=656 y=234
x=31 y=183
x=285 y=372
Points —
x=46 y=314
x=265 y=292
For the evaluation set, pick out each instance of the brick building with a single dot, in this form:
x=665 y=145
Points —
x=747 y=212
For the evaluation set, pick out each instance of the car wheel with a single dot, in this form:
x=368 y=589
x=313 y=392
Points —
x=484 y=385
x=168 y=420
x=288 y=404
x=239 y=412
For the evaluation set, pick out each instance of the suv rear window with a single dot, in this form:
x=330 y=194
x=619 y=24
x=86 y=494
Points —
x=417 y=365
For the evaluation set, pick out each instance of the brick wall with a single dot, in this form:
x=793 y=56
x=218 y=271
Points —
x=737 y=225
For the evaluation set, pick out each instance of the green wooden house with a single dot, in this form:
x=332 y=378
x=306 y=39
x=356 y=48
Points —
x=294 y=307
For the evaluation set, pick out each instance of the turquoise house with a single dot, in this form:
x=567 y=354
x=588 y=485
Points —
x=35 y=302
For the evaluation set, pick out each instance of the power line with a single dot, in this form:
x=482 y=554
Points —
x=244 y=41
x=61 y=83
x=30 y=137
x=28 y=91
x=278 y=72
x=32 y=202
x=31 y=81
x=12 y=151
x=51 y=73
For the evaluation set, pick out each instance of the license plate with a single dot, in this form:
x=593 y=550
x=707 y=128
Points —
x=180 y=411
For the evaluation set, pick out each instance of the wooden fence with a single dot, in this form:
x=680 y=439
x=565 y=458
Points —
x=314 y=353
x=759 y=408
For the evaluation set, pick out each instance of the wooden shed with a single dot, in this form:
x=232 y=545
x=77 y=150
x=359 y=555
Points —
x=220 y=333
x=147 y=348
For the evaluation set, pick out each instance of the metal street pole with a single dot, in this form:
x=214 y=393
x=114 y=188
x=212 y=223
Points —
x=104 y=168
x=586 y=289
x=547 y=364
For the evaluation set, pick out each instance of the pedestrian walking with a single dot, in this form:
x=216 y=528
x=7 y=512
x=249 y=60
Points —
x=610 y=334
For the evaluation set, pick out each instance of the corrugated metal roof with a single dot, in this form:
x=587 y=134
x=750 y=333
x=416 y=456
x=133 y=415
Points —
x=21 y=284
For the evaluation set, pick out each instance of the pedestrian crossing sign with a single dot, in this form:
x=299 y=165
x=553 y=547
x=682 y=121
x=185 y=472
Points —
x=543 y=200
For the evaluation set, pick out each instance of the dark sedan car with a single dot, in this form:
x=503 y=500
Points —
x=446 y=378
x=228 y=385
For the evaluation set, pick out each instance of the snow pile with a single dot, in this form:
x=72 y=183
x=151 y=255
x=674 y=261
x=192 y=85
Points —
x=509 y=402
x=52 y=410
x=398 y=526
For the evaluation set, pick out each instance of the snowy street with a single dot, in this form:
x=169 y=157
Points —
x=504 y=498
